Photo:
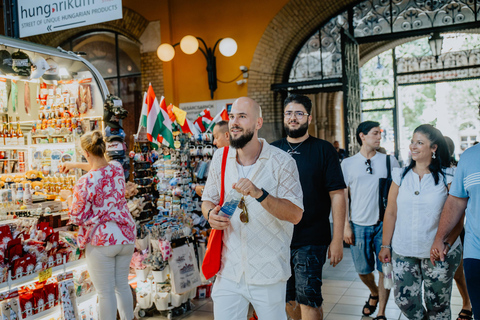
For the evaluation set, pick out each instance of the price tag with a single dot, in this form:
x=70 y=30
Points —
x=44 y=275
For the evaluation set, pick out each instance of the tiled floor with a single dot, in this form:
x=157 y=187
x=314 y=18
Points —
x=343 y=292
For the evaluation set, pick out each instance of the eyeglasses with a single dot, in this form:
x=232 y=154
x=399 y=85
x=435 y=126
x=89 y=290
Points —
x=368 y=163
x=244 y=214
x=298 y=114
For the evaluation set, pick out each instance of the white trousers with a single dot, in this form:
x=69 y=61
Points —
x=231 y=300
x=108 y=267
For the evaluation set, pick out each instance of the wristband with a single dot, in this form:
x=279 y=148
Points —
x=448 y=245
x=208 y=214
x=386 y=247
x=263 y=196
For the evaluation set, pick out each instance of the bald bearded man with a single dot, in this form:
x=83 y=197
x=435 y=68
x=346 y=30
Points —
x=256 y=240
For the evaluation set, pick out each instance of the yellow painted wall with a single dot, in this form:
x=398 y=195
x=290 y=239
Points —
x=185 y=77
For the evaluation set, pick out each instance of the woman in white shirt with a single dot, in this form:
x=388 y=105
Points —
x=415 y=203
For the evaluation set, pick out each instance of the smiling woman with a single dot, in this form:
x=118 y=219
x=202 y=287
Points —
x=415 y=203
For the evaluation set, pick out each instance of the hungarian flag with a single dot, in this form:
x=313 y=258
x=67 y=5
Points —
x=189 y=127
x=221 y=116
x=204 y=120
x=155 y=118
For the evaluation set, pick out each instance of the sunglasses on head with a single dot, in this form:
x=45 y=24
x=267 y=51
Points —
x=368 y=163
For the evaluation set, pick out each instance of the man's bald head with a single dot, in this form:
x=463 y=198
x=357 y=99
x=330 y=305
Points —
x=250 y=103
x=245 y=121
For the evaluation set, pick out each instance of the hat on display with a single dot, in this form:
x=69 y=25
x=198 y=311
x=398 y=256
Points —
x=114 y=139
x=6 y=62
x=21 y=63
x=52 y=72
x=114 y=132
x=39 y=67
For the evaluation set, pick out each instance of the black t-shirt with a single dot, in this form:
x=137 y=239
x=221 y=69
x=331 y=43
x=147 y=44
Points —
x=320 y=172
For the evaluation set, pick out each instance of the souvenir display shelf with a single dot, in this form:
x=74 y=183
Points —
x=44 y=110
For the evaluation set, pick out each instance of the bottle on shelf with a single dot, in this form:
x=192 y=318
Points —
x=6 y=132
x=19 y=199
x=20 y=136
x=14 y=193
x=27 y=195
x=13 y=134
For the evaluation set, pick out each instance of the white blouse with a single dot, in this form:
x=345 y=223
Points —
x=419 y=206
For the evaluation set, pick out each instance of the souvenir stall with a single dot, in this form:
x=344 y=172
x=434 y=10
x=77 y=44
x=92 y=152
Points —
x=170 y=246
x=48 y=99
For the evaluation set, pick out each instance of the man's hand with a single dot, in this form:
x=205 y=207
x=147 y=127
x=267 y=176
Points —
x=438 y=251
x=335 y=252
x=247 y=188
x=348 y=235
x=216 y=221
x=385 y=255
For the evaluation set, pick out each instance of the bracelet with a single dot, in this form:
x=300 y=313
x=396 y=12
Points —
x=448 y=245
x=208 y=214
x=386 y=247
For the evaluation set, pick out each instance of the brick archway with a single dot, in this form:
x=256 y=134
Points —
x=282 y=38
x=278 y=46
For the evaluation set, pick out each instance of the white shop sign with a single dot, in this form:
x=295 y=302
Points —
x=44 y=16
x=194 y=108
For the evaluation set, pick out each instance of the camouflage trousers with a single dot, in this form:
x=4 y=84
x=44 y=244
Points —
x=409 y=273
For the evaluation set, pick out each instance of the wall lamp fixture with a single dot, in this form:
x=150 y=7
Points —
x=436 y=43
x=190 y=44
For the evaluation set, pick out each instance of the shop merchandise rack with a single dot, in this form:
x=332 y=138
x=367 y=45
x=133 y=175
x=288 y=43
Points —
x=154 y=293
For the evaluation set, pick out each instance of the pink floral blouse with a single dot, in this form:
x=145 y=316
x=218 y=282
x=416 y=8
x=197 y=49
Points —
x=100 y=209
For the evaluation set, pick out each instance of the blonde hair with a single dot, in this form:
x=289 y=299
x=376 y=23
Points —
x=93 y=143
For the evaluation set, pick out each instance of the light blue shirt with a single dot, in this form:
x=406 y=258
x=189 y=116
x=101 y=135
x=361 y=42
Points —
x=466 y=184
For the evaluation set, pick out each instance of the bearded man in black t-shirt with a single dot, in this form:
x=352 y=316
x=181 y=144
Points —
x=323 y=188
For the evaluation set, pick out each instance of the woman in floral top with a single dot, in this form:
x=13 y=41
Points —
x=107 y=230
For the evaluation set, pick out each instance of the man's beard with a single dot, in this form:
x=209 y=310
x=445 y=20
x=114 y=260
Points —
x=296 y=133
x=241 y=141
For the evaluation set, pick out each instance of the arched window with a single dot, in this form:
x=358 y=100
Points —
x=118 y=59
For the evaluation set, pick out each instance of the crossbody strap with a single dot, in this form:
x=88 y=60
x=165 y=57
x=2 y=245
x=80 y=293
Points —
x=224 y=165
x=389 y=168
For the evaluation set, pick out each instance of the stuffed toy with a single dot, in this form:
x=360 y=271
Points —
x=34 y=175
x=37 y=186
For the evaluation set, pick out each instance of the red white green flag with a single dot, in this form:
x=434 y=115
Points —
x=221 y=116
x=155 y=118
x=204 y=120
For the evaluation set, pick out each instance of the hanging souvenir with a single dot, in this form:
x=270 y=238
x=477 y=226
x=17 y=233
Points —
x=14 y=96
x=27 y=98
x=3 y=96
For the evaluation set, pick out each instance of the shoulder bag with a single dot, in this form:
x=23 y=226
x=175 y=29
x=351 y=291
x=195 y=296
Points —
x=383 y=188
x=213 y=253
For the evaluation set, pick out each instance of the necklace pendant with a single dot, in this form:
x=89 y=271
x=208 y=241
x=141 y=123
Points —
x=292 y=152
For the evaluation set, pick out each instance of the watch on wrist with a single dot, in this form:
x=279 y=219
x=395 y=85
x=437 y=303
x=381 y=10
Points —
x=263 y=196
